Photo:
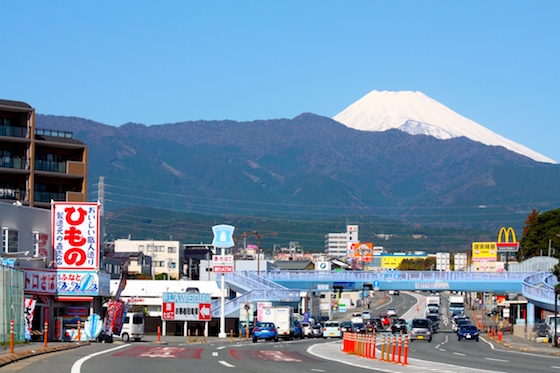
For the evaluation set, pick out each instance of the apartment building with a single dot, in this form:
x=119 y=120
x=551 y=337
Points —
x=336 y=243
x=38 y=165
x=166 y=256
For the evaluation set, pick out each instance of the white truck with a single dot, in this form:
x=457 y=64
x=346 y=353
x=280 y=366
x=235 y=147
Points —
x=283 y=319
x=456 y=305
x=433 y=300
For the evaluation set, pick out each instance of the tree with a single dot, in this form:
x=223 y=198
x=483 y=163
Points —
x=539 y=229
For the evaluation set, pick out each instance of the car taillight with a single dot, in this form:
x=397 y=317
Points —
x=257 y=330
x=338 y=329
x=325 y=329
x=273 y=329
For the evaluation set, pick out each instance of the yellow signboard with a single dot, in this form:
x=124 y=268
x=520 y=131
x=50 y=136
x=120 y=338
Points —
x=484 y=251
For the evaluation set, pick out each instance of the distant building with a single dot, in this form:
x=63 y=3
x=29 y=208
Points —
x=336 y=243
x=443 y=262
x=166 y=256
x=130 y=264
x=460 y=261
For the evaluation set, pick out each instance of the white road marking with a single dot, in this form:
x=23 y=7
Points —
x=77 y=366
x=490 y=344
x=459 y=354
x=500 y=360
x=225 y=363
x=221 y=347
x=214 y=353
x=555 y=367
x=317 y=370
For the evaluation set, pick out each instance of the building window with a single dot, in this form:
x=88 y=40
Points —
x=171 y=249
x=141 y=248
x=172 y=265
x=160 y=248
x=10 y=242
x=160 y=263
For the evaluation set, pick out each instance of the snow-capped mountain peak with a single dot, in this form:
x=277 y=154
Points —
x=418 y=114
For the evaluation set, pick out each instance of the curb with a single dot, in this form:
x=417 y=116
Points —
x=11 y=358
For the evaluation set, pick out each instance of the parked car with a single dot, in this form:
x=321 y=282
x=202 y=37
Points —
x=396 y=292
x=468 y=331
x=317 y=331
x=542 y=330
x=266 y=331
x=392 y=312
x=332 y=329
x=399 y=325
x=347 y=326
x=421 y=329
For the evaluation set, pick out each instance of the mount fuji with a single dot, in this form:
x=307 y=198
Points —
x=417 y=114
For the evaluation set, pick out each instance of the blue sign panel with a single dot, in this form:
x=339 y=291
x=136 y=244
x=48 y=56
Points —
x=223 y=236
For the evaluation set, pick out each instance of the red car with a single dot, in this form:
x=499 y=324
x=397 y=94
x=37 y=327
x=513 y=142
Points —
x=384 y=319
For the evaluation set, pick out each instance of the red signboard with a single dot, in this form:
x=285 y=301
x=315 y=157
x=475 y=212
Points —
x=168 y=311
x=40 y=281
x=204 y=311
x=222 y=269
x=75 y=235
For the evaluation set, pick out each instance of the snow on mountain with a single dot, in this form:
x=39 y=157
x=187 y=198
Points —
x=418 y=114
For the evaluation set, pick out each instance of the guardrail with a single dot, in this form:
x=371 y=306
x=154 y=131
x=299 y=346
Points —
x=538 y=288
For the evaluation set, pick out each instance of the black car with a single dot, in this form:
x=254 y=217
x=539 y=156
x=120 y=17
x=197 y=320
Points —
x=399 y=325
x=347 y=326
x=378 y=323
x=434 y=318
x=359 y=328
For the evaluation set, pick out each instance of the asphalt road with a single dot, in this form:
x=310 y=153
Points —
x=443 y=354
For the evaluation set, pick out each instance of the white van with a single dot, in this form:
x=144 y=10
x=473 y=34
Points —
x=133 y=326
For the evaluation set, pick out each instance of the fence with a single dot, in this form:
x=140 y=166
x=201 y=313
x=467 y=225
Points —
x=11 y=303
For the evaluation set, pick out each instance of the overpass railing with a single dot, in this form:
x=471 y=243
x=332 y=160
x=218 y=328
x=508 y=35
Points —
x=368 y=276
x=533 y=288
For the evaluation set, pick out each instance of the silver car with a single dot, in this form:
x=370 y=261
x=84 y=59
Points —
x=421 y=329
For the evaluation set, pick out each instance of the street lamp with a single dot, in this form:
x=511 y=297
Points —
x=235 y=239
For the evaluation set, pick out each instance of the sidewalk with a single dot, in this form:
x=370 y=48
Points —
x=509 y=341
x=25 y=350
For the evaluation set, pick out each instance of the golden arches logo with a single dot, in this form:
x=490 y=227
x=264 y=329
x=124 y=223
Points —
x=506 y=234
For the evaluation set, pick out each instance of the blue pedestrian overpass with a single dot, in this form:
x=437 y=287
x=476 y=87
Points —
x=537 y=287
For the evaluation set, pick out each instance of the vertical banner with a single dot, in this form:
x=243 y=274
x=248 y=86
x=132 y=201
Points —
x=116 y=311
x=28 y=312
x=75 y=235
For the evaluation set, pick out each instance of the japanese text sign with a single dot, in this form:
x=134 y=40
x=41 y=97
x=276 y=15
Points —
x=75 y=235
x=484 y=251
x=40 y=282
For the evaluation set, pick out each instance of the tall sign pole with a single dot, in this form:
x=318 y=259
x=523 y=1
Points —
x=223 y=238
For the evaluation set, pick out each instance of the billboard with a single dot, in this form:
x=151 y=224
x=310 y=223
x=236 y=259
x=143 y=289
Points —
x=507 y=246
x=75 y=236
x=186 y=307
x=484 y=251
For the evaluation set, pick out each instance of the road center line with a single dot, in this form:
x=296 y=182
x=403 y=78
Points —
x=225 y=363
x=214 y=353
x=76 y=367
x=459 y=354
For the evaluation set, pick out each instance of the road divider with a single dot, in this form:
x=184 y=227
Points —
x=364 y=345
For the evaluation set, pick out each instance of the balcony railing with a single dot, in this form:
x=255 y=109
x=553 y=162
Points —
x=13 y=131
x=51 y=166
x=12 y=193
x=14 y=162
x=48 y=196
x=55 y=133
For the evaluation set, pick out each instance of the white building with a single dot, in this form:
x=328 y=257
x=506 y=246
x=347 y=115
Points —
x=460 y=262
x=443 y=262
x=166 y=255
x=336 y=243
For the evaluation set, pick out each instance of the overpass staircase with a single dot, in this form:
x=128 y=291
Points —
x=252 y=287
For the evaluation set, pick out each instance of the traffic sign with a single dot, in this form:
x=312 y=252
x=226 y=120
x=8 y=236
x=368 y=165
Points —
x=204 y=311
x=223 y=236
x=222 y=263
x=222 y=269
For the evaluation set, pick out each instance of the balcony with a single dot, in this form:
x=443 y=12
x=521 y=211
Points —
x=75 y=197
x=48 y=196
x=14 y=162
x=54 y=133
x=68 y=167
x=12 y=131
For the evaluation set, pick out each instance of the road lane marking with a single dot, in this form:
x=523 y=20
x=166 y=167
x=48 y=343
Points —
x=491 y=345
x=459 y=354
x=77 y=366
x=221 y=347
x=499 y=360
x=214 y=353
x=555 y=367
x=225 y=363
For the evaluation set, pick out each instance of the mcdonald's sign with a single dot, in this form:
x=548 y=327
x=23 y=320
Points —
x=507 y=246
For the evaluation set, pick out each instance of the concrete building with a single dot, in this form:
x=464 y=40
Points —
x=336 y=243
x=460 y=262
x=443 y=262
x=166 y=256
x=38 y=165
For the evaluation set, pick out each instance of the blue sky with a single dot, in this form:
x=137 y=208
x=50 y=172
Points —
x=155 y=62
